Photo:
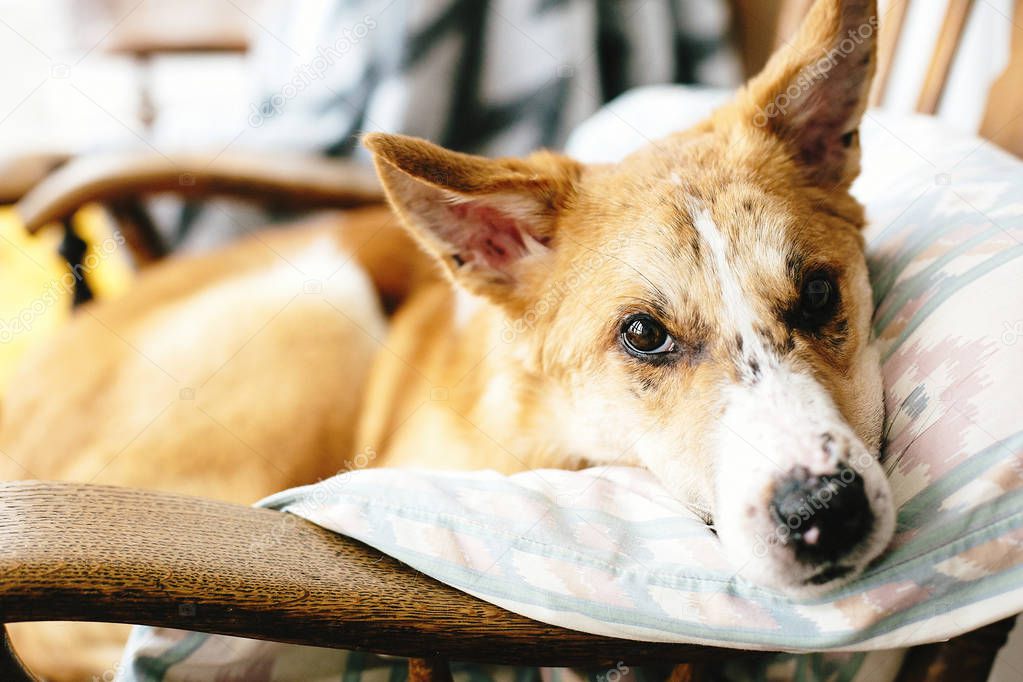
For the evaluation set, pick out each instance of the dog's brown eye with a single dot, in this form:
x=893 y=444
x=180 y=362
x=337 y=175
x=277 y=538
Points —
x=644 y=336
x=817 y=293
x=818 y=302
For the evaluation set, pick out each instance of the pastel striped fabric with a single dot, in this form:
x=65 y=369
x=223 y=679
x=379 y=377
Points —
x=608 y=551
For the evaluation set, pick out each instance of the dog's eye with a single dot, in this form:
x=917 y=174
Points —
x=643 y=336
x=819 y=296
x=816 y=293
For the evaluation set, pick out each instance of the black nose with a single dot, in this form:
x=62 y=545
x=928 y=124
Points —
x=825 y=516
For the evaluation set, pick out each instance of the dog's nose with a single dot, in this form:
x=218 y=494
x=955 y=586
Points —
x=826 y=516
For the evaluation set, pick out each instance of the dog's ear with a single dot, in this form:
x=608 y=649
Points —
x=488 y=221
x=814 y=90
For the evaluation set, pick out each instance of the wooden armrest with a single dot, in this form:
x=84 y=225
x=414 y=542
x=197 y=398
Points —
x=301 y=182
x=100 y=553
x=19 y=174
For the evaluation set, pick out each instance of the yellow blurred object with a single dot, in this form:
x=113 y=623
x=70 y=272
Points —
x=108 y=268
x=36 y=284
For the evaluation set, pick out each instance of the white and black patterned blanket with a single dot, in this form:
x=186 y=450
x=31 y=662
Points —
x=493 y=77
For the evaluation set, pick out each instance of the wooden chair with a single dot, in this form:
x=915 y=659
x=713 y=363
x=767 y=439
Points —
x=96 y=553
x=140 y=32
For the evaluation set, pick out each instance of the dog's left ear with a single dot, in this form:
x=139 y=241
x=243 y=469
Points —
x=814 y=90
x=490 y=222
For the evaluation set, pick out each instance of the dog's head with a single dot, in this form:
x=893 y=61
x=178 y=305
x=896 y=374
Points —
x=702 y=306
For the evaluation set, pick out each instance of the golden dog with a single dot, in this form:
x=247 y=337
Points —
x=701 y=309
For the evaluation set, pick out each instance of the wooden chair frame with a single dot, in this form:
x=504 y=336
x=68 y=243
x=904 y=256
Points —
x=99 y=553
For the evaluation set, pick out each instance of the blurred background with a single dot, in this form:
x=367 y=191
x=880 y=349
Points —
x=82 y=75
x=218 y=77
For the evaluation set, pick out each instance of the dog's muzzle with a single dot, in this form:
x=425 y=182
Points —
x=801 y=503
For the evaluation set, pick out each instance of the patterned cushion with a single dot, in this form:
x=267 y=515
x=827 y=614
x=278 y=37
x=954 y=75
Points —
x=607 y=551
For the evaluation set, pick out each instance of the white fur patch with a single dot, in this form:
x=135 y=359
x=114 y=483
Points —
x=783 y=421
x=735 y=304
x=781 y=418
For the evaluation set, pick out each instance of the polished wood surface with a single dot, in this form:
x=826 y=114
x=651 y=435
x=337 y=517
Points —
x=304 y=182
x=890 y=25
x=968 y=657
x=1003 y=116
x=100 y=553
x=949 y=38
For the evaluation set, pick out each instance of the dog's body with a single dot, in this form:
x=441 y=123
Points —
x=701 y=309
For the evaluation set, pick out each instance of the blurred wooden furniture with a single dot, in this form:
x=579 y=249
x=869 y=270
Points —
x=164 y=27
x=755 y=45
x=140 y=31
x=892 y=22
x=21 y=173
x=100 y=553
x=121 y=181
x=167 y=26
x=1003 y=119
x=144 y=31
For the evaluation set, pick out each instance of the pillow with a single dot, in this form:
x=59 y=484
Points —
x=608 y=551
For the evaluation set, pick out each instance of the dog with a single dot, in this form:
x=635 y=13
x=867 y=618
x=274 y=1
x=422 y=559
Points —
x=701 y=308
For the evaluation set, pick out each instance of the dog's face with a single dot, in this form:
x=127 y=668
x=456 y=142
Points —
x=719 y=331
x=702 y=307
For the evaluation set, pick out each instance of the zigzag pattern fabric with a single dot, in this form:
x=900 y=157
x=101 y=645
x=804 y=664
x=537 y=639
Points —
x=494 y=77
